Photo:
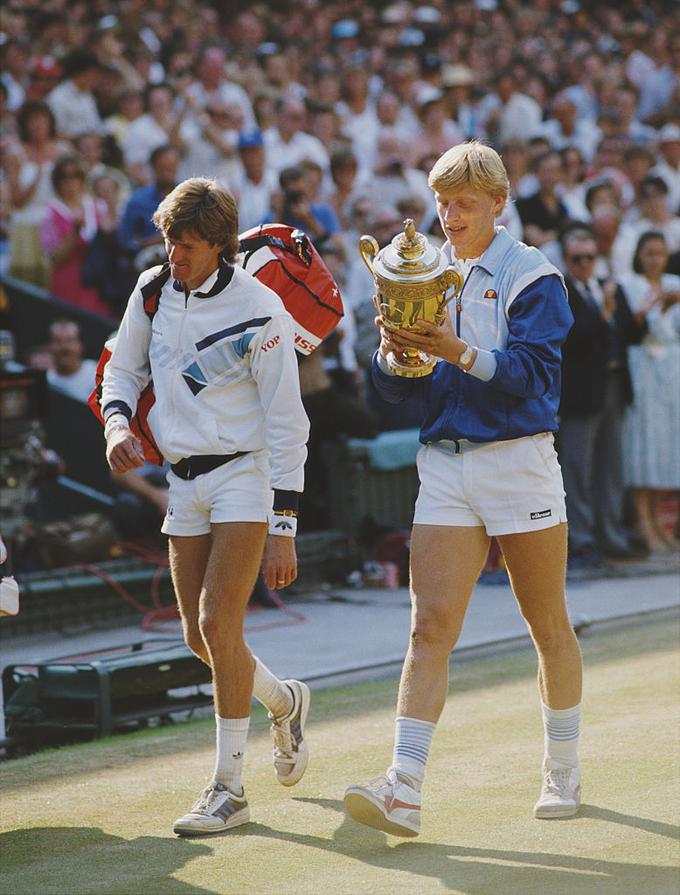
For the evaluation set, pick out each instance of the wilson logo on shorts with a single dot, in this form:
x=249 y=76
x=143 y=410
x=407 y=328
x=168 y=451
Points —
x=541 y=514
x=491 y=293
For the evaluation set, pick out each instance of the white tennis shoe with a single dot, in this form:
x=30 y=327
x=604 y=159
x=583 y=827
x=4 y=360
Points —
x=291 y=754
x=217 y=809
x=385 y=803
x=560 y=793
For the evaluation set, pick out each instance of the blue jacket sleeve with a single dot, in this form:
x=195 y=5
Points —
x=538 y=322
x=395 y=389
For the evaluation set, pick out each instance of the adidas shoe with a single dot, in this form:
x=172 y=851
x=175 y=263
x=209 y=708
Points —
x=290 y=749
x=386 y=803
x=217 y=809
x=560 y=793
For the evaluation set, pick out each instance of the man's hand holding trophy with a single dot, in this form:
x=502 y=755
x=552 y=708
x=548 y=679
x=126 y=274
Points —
x=414 y=283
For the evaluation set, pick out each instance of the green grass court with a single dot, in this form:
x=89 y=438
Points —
x=97 y=818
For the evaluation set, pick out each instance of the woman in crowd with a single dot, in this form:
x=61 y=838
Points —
x=28 y=165
x=652 y=426
x=68 y=229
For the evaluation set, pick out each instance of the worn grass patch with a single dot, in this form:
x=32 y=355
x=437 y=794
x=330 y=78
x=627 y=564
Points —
x=97 y=818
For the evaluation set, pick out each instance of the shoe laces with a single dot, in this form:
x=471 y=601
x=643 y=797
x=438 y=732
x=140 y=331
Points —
x=207 y=797
x=557 y=781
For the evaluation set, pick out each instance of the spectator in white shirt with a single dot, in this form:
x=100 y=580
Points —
x=668 y=166
x=211 y=85
x=257 y=184
x=287 y=143
x=72 y=101
x=513 y=115
x=70 y=372
x=564 y=129
x=159 y=126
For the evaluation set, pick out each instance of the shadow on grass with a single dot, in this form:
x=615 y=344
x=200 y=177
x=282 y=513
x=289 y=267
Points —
x=85 y=860
x=482 y=871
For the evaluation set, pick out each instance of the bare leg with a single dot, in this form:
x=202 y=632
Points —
x=445 y=564
x=645 y=503
x=536 y=563
x=213 y=623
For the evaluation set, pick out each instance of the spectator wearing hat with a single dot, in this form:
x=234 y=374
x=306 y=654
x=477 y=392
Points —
x=257 y=184
x=456 y=83
x=73 y=101
x=288 y=142
x=668 y=165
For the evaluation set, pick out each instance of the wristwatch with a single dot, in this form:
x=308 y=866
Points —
x=465 y=357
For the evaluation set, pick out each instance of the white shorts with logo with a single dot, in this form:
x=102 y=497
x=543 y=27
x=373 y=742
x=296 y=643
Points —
x=237 y=491
x=506 y=486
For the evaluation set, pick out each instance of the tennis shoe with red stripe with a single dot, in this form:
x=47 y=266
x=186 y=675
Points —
x=217 y=809
x=291 y=754
x=560 y=793
x=386 y=803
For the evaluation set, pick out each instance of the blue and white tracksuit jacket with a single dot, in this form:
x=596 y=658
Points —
x=513 y=308
x=224 y=371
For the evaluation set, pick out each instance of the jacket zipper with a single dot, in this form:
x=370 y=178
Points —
x=459 y=303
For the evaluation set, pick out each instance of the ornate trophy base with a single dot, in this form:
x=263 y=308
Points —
x=412 y=364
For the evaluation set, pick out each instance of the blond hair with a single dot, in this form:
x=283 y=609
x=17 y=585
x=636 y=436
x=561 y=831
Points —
x=472 y=164
x=203 y=208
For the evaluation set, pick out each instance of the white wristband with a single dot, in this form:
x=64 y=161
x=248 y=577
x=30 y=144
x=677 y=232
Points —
x=283 y=524
x=115 y=421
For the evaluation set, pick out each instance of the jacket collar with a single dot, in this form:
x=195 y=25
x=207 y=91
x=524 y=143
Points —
x=217 y=281
x=492 y=258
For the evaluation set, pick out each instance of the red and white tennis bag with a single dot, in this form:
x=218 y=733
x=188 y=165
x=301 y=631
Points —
x=286 y=260
x=282 y=258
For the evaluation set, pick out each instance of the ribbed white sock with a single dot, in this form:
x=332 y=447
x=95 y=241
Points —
x=232 y=734
x=412 y=739
x=561 y=729
x=271 y=691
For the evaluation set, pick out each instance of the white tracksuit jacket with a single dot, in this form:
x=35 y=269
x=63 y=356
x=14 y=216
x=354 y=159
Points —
x=224 y=371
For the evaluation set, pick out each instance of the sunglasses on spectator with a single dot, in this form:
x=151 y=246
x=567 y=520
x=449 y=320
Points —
x=577 y=259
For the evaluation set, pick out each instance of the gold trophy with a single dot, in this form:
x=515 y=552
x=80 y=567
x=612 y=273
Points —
x=412 y=279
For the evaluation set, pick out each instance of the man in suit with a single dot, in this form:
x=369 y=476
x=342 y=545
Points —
x=596 y=388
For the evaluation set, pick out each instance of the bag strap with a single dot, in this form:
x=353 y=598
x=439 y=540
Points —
x=151 y=292
x=300 y=248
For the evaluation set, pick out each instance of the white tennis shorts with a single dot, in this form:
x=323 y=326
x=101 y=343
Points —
x=237 y=491
x=506 y=486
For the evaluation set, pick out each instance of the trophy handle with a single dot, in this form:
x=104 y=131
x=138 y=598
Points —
x=368 y=248
x=451 y=277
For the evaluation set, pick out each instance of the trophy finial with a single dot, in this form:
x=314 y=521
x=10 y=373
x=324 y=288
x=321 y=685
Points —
x=410 y=229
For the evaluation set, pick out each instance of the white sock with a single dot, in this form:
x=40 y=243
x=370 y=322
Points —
x=412 y=739
x=232 y=734
x=271 y=692
x=561 y=728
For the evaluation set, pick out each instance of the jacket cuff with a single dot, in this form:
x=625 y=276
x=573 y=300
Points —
x=116 y=407
x=484 y=366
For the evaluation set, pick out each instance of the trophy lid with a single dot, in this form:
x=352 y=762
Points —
x=410 y=257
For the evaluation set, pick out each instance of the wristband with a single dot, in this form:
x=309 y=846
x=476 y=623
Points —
x=114 y=422
x=283 y=523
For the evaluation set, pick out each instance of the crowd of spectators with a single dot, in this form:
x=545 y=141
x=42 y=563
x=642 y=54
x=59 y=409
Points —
x=328 y=116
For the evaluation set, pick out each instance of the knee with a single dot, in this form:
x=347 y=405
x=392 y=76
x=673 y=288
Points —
x=219 y=632
x=433 y=632
x=194 y=640
x=552 y=634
